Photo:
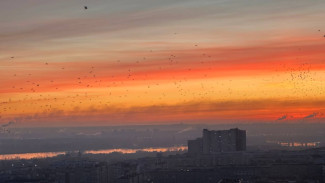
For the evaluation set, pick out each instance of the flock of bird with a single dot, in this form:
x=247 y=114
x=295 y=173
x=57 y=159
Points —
x=300 y=77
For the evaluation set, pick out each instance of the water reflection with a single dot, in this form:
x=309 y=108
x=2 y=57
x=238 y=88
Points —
x=299 y=144
x=128 y=151
x=295 y=144
x=30 y=155
x=103 y=151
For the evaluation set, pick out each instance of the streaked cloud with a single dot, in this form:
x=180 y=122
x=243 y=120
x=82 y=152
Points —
x=147 y=61
x=283 y=117
x=311 y=115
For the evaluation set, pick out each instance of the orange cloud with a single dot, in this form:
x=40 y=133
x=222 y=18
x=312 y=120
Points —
x=27 y=76
x=220 y=112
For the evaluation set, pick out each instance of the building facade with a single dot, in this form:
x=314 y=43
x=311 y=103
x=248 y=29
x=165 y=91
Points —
x=215 y=141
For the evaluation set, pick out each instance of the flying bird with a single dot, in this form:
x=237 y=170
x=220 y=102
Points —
x=86 y=7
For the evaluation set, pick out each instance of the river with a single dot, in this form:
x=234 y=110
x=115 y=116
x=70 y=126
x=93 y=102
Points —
x=102 y=151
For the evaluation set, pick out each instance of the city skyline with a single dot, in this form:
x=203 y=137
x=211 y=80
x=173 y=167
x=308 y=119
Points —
x=161 y=62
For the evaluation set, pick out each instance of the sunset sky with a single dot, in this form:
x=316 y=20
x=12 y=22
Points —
x=161 y=61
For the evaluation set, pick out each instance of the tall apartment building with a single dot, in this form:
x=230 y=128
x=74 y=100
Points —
x=214 y=141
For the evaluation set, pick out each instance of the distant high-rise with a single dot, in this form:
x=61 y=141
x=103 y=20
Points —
x=195 y=146
x=218 y=141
